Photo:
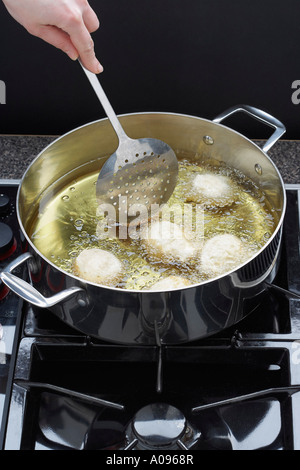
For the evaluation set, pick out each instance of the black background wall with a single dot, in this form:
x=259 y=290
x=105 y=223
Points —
x=195 y=57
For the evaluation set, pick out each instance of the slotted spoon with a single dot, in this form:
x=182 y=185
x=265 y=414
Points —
x=140 y=175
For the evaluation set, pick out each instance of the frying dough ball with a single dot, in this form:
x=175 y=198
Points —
x=166 y=242
x=98 y=266
x=211 y=189
x=222 y=253
x=170 y=282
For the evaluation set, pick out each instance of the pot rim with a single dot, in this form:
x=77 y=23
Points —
x=138 y=291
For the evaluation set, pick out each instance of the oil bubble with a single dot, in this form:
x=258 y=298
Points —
x=78 y=224
x=73 y=254
x=84 y=234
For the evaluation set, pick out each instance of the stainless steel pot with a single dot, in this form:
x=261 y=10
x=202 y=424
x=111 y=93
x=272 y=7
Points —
x=141 y=317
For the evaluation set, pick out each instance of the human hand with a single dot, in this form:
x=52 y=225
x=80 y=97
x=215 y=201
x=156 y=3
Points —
x=66 y=24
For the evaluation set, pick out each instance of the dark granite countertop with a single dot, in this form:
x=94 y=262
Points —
x=17 y=152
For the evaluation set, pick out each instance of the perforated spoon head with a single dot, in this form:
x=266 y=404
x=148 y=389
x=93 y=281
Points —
x=138 y=178
x=141 y=174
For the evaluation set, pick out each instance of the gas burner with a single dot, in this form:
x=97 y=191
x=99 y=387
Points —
x=160 y=426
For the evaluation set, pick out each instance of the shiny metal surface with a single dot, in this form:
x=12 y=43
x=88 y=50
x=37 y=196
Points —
x=158 y=425
x=137 y=317
x=27 y=292
x=140 y=173
x=260 y=116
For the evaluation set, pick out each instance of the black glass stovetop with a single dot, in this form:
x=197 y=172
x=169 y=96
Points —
x=236 y=390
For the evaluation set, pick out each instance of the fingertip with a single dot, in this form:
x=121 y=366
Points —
x=73 y=55
x=98 y=67
x=94 y=66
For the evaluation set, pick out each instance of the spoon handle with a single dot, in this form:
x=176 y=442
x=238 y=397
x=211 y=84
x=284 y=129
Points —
x=105 y=103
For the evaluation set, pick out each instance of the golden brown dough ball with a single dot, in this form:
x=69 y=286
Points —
x=211 y=189
x=166 y=241
x=98 y=266
x=169 y=283
x=223 y=253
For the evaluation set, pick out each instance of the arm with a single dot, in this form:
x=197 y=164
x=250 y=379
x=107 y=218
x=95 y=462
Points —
x=66 y=24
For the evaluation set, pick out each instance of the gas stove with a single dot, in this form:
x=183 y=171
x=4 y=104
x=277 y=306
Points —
x=239 y=389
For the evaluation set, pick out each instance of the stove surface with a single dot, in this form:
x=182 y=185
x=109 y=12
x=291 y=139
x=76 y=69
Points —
x=237 y=390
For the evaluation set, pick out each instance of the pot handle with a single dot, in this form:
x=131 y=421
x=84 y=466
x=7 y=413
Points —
x=261 y=116
x=27 y=292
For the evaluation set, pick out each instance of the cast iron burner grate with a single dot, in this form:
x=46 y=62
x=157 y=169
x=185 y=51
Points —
x=229 y=396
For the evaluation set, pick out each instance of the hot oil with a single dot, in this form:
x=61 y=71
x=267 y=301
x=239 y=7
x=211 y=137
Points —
x=69 y=223
x=247 y=214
